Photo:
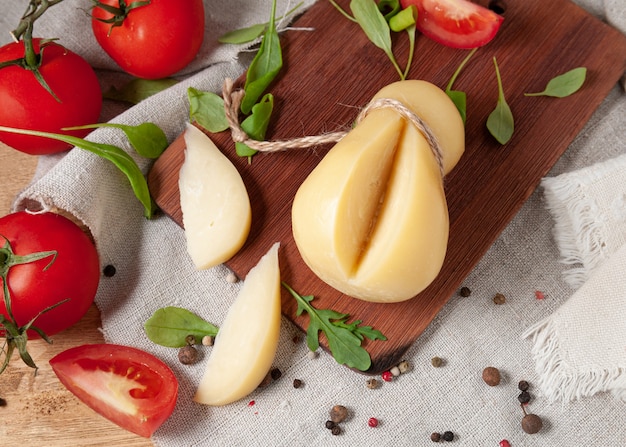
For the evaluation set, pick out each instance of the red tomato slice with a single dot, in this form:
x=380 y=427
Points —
x=128 y=386
x=456 y=23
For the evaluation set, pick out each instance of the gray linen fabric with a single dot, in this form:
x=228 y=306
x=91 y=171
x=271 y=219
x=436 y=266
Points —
x=153 y=270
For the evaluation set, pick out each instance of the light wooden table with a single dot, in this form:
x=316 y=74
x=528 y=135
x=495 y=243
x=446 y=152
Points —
x=39 y=410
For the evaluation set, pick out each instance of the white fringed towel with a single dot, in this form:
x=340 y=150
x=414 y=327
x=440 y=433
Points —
x=580 y=350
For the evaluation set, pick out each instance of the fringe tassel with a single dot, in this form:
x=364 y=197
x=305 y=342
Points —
x=557 y=379
x=578 y=238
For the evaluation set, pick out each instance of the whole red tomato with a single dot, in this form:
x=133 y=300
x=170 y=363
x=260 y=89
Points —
x=126 y=385
x=152 y=39
x=73 y=274
x=456 y=23
x=26 y=104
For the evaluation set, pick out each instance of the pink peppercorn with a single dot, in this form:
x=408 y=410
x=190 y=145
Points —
x=505 y=443
x=372 y=422
x=387 y=376
x=539 y=295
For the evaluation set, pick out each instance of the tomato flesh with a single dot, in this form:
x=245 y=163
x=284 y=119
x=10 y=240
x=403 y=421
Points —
x=74 y=274
x=456 y=23
x=126 y=385
x=27 y=105
x=154 y=41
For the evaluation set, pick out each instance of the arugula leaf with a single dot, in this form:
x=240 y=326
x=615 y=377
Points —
x=256 y=124
x=405 y=20
x=264 y=67
x=147 y=139
x=114 y=154
x=458 y=97
x=500 y=121
x=170 y=326
x=207 y=109
x=564 y=85
x=139 y=89
x=375 y=27
x=344 y=339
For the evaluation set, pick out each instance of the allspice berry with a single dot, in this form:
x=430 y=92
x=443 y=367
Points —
x=338 y=414
x=531 y=423
x=491 y=376
x=188 y=355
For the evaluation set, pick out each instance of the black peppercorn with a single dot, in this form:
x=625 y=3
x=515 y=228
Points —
x=447 y=436
x=187 y=355
x=465 y=292
x=276 y=374
x=109 y=271
x=297 y=383
x=3 y=402
x=524 y=397
x=499 y=298
x=330 y=424
x=336 y=430
x=523 y=385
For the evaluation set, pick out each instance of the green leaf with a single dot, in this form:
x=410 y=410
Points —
x=137 y=89
x=147 y=139
x=170 y=327
x=115 y=155
x=344 y=339
x=207 y=109
x=256 y=124
x=264 y=67
x=389 y=8
x=376 y=28
x=564 y=85
x=458 y=97
x=500 y=121
x=243 y=35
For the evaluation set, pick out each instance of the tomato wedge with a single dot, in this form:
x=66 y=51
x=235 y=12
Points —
x=456 y=23
x=128 y=386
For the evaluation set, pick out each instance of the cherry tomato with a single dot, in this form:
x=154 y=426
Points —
x=456 y=23
x=128 y=386
x=154 y=40
x=26 y=104
x=74 y=274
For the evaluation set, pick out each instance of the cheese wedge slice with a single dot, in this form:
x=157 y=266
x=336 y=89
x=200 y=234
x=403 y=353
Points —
x=214 y=202
x=246 y=343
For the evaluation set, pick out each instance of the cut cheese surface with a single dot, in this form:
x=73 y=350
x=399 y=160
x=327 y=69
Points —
x=214 y=202
x=371 y=220
x=246 y=343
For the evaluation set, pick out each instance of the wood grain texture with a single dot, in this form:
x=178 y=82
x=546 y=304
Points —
x=332 y=71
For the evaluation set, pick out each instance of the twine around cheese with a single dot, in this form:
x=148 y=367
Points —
x=232 y=102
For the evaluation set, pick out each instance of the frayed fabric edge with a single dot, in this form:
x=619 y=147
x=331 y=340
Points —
x=577 y=239
x=558 y=380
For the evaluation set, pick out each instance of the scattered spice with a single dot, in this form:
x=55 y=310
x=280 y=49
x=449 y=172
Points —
x=465 y=292
x=531 y=423
x=499 y=298
x=330 y=424
x=188 y=355
x=395 y=371
x=231 y=278
x=447 y=436
x=504 y=443
x=372 y=384
x=297 y=383
x=404 y=366
x=372 y=422
x=3 y=402
x=251 y=403
x=387 y=376
x=336 y=430
x=524 y=397
x=491 y=376
x=539 y=295
x=276 y=374
x=208 y=340
x=338 y=414
x=109 y=271
x=312 y=355
x=436 y=362
x=523 y=385
x=435 y=437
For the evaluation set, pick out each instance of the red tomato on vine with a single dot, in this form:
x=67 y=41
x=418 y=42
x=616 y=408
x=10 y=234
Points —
x=76 y=98
x=149 y=39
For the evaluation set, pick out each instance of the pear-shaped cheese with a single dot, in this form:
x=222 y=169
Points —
x=213 y=200
x=371 y=220
x=246 y=343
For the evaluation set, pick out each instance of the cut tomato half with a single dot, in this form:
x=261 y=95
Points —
x=456 y=23
x=128 y=386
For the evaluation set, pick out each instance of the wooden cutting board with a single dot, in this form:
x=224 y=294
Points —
x=333 y=70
